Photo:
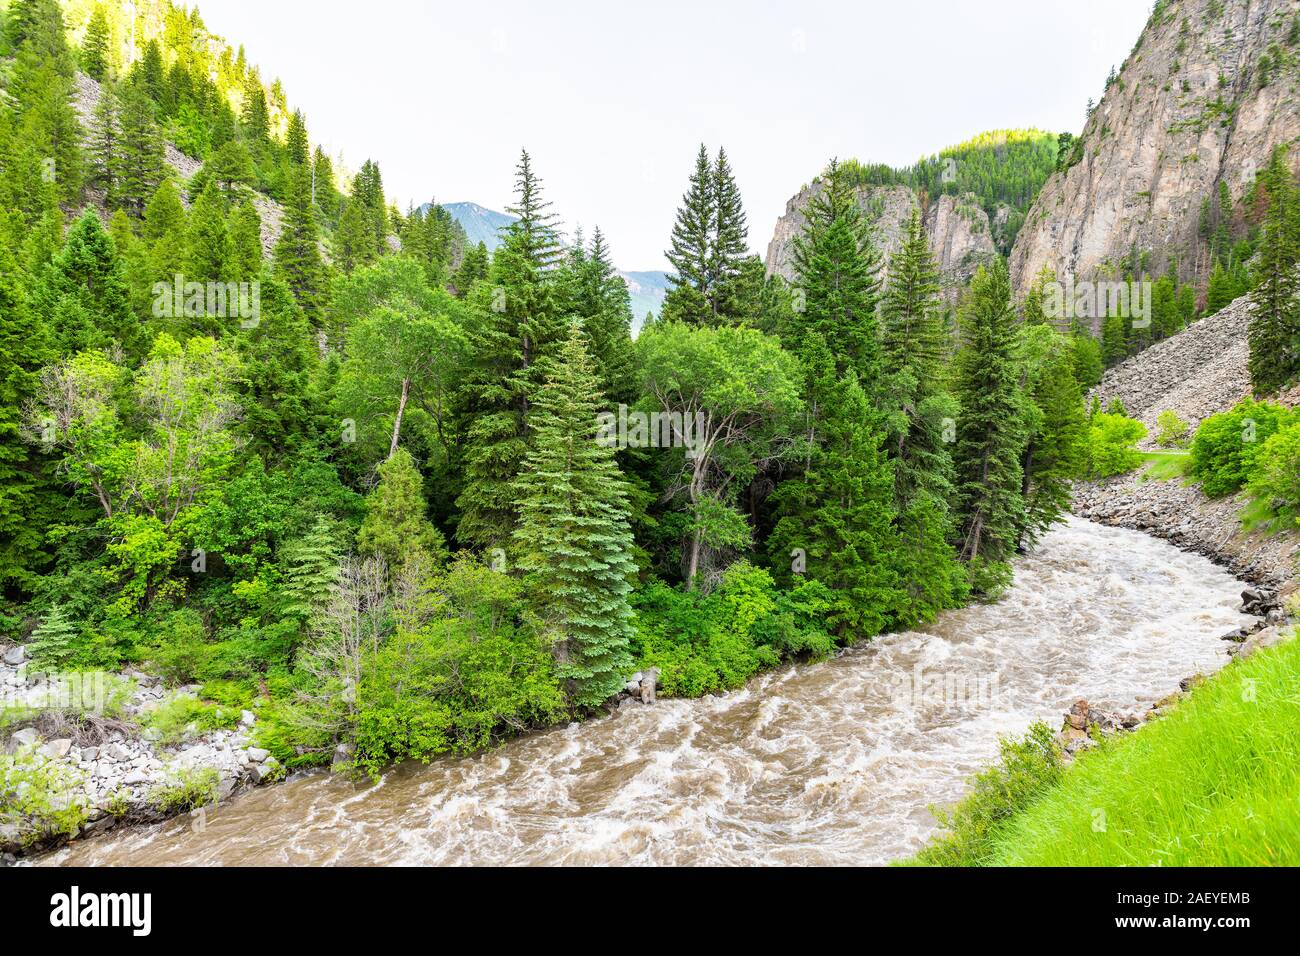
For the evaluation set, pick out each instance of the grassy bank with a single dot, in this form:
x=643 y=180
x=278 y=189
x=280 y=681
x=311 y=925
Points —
x=1215 y=782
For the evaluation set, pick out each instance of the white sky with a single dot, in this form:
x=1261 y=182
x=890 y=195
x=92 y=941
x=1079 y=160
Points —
x=613 y=98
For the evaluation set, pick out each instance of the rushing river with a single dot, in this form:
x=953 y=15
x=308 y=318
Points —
x=828 y=763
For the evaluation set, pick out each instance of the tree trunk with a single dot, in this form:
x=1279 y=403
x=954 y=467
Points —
x=397 y=422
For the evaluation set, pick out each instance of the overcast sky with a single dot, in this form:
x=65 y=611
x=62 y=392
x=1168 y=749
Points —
x=613 y=98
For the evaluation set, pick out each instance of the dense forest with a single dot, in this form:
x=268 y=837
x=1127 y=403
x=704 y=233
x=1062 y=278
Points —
x=402 y=497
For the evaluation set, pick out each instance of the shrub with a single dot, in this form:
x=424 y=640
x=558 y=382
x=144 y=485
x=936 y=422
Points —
x=1173 y=430
x=706 y=643
x=1276 y=473
x=186 y=789
x=1226 y=445
x=1029 y=766
x=39 y=796
x=181 y=716
x=1112 y=444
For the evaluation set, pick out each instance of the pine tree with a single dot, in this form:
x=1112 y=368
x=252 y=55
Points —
x=598 y=296
x=573 y=540
x=327 y=198
x=1053 y=455
x=396 y=524
x=22 y=352
x=729 y=247
x=163 y=233
x=94 y=49
x=245 y=242
x=297 y=148
x=354 y=243
x=473 y=268
x=521 y=326
x=207 y=241
x=690 y=298
x=229 y=167
x=912 y=332
x=140 y=157
x=104 y=147
x=1275 y=301
x=54 y=642
x=838 y=273
x=297 y=254
x=990 y=431
x=83 y=294
x=839 y=511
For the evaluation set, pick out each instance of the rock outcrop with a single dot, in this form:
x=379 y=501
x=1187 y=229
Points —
x=85 y=100
x=1210 y=89
x=958 y=229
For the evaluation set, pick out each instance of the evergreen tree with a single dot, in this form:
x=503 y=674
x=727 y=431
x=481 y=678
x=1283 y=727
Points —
x=690 y=296
x=207 y=242
x=990 y=431
x=354 y=243
x=839 y=511
x=54 y=642
x=245 y=242
x=83 y=292
x=598 y=296
x=297 y=254
x=94 y=49
x=21 y=354
x=838 y=273
x=140 y=157
x=473 y=268
x=396 y=524
x=297 y=148
x=1054 y=453
x=311 y=569
x=521 y=324
x=729 y=247
x=573 y=540
x=1275 y=301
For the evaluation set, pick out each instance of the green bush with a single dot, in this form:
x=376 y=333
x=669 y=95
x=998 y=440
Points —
x=1276 y=473
x=1112 y=444
x=181 y=716
x=39 y=796
x=186 y=789
x=706 y=643
x=1173 y=430
x=1029 y=767
x=1226 y=445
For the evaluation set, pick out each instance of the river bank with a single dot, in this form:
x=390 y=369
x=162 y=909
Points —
x=835 y=762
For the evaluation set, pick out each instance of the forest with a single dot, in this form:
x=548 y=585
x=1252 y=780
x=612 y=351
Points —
x=358 y=479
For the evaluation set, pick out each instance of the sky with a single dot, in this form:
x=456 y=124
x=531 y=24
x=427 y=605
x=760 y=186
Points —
x=612 y=99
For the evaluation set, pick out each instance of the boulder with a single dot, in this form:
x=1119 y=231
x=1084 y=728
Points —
x=257 y=754
x=15 y=656
x=649 y=683
x=25 y=737
x=58 y=748
x=246 y=718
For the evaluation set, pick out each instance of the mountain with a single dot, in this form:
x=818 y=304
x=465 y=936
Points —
x=480 y=224
x=646 y=289
x=972 y=197
x=1208 y=91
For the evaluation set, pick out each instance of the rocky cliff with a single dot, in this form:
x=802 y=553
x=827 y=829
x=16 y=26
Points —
x=1210 y=89
x=958 y=229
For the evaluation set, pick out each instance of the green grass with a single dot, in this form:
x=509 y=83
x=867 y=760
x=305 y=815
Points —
x=1214 y=783
x=1166 y=465
x=1259 y=514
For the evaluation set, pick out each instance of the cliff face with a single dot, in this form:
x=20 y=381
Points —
x=1211 y=88
x=958 y=229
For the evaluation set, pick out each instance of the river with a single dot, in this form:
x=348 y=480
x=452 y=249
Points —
x=828 y=763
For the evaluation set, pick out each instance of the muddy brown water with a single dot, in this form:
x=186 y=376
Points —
x=828 y=763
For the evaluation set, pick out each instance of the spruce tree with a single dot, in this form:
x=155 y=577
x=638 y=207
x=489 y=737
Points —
x=94 y=49
x=839 y=510
x=690 y=296
x=573 y=542
x=1275 y=301
x=838 y=274
x=54 y=642
x=473 y=268
x=520 y=326
x=598 y=296
x=1054 y=453
x=396 y=523
x=990 y=430
x=140 y=158
x=729 y=247
x=83 y=293
x=207 y=241
x=297 y=254
x=245 y=242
